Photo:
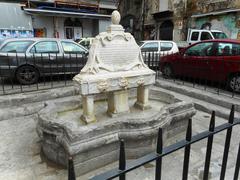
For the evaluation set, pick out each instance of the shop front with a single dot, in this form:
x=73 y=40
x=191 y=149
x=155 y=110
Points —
x=69 y=25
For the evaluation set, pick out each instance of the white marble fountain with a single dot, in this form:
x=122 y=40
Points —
x=115 y=102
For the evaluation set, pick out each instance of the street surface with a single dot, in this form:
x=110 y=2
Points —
x=21 y=158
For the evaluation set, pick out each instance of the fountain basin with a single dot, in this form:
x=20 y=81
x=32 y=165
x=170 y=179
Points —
x=92 y=146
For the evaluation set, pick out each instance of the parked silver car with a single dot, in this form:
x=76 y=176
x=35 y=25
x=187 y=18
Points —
x=26 y=59
x=153 y=49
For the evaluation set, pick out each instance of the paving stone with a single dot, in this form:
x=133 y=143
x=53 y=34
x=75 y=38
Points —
x=20 y=156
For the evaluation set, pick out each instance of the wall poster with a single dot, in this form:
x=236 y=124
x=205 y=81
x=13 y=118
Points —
x=12 y=33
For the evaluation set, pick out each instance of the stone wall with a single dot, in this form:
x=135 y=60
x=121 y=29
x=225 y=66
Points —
x=182 y=12
x=179 y=19
x=131 y=12
x=228 y=23
x=199 y=6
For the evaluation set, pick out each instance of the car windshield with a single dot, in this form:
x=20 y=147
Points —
x=219 y=35
x=16 y=46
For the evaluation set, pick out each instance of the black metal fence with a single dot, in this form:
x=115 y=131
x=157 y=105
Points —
x=21 y=72
x=157 y=156
x=24 y=73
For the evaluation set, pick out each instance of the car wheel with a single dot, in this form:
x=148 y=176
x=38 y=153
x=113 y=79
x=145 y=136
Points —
x=167 y=71
x=27 y=75
x=234 y=83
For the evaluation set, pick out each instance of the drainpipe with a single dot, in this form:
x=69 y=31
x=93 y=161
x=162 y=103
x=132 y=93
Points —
x=143 y=18
x=98 y=2
x=55 y=25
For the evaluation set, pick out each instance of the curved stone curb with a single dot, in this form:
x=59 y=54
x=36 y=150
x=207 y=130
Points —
x=99 y=141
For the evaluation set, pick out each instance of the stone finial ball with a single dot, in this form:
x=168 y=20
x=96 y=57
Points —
x=116 y=17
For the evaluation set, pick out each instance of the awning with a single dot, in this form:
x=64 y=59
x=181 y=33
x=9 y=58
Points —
x=45 y=12
x=161 y=15
x=215 y=13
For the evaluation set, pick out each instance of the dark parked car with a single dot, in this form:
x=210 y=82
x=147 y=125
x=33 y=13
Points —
x=28 y=59
x=213 y=60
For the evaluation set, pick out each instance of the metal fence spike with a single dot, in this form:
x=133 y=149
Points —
x=158 y=169
x=71 y=172
x=122 y=159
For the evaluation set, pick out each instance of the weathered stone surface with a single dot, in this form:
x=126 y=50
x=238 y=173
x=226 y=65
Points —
x=20 y=149
x=114 y=65
x=37 y=96
x=63 y=134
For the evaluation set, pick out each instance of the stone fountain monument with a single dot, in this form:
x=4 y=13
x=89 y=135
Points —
x=115 y=102
x=114 y=66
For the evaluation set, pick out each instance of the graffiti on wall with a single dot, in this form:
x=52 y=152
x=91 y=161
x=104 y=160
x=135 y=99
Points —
x=225 y=23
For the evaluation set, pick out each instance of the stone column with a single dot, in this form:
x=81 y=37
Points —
x=118 y=103
x=142 y=98
x=88 y=115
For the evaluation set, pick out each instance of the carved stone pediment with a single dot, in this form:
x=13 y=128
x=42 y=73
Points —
x=113 y=51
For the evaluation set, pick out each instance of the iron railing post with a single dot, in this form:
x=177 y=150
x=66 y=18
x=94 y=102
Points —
x=34 y=62
x=122 y=160
x=236 y=173
x=209 y=147
x=227 y=145
x=187 y=151
x=51 y=73
x=71 y=172
x=148 y=59
x=158 y=170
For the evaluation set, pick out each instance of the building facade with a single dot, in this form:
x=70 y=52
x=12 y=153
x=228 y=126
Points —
x=154 y=19
x=222 y=15
x=131 y=18
x=171 y=19
x=61 y=19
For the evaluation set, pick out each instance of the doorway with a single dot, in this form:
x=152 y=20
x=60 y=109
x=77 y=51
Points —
x=73 y=29
x=166 y=30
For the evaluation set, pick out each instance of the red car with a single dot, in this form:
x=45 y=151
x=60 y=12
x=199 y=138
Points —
x=214 y=60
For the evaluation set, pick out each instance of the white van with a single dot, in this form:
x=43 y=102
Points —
x=196 y=35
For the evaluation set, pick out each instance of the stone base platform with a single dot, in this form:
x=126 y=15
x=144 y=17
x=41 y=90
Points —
x=92 y=146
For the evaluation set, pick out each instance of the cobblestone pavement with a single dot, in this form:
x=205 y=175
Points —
x=21 y=159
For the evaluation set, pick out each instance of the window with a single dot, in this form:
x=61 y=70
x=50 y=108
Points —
x=150 y=46
x=70 y=47
x=194 y=36
x=205 y=36
x=85 y=43
x=202 y=49
x=219 y=35
x=45 y=47
x=166 y=46
x=69 y=32
x=228 y=49
x=16 y=46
